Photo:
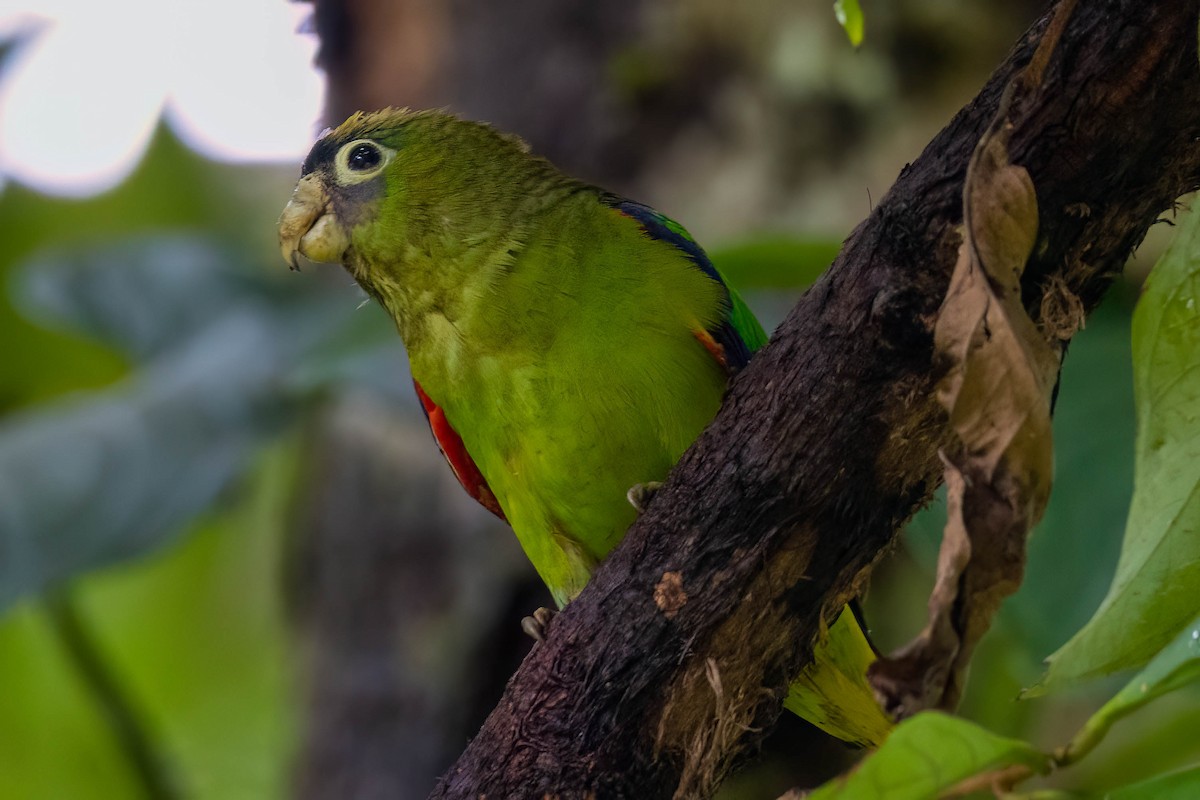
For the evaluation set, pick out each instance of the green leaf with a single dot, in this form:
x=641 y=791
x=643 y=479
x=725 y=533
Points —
x=1181 y=785
x=1176 y=666
x=1085 y=520
x=224 y=358
x=1156 y=589
x=112 y=474
x=142 y=295
x=850 y=17
x=926 y=755
x=146 y=295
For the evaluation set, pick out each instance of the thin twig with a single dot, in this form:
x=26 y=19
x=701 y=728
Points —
x=148 y=764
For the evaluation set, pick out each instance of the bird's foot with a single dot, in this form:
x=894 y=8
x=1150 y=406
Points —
x=535 y=626
x=640 y=494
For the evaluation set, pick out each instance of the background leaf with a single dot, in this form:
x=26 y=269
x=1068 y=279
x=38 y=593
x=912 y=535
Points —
x=1157 y=583
x=197 y=635
x=850 y=17
x=89 y=481
x=775 y=262
x=112 y=474
x=127 y=296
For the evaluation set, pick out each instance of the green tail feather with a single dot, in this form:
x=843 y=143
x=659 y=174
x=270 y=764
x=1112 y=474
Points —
x=833 y=693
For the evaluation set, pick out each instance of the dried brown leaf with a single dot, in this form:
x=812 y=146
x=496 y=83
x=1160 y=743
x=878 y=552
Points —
x=1000 y=373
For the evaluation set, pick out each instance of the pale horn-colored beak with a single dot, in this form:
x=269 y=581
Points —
x=308 y=227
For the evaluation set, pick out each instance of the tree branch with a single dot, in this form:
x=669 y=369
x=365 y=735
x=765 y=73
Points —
x=828 y=441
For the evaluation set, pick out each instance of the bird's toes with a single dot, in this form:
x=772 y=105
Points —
x=535 y=625
x=640 y=494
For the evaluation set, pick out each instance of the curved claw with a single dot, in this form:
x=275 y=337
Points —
x=535 y=626
x=640 y=494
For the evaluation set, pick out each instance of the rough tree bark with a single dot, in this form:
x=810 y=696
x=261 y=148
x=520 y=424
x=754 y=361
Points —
x=828 y=441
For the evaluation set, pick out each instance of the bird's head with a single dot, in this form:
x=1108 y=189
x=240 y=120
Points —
x=384 y=182
x=342 y=186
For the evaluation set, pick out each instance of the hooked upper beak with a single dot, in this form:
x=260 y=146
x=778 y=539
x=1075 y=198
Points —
x=308 y=226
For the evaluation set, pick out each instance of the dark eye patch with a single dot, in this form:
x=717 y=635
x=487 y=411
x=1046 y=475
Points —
x=322 y=153
x=363 y=157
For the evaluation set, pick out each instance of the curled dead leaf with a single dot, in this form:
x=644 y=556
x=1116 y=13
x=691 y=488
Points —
x=1000 y=372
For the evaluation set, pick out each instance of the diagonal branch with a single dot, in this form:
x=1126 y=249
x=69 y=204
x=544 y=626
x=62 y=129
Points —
x=828 y=441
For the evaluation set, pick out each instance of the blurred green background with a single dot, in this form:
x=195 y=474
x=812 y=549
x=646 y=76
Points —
x=213 y=477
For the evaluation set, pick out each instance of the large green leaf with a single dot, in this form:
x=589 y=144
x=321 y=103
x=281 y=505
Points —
x=1175 y=666
x=116 y=473
x=926 y=755
x=142 y=295
x=1156 y=590
x=1093 y=483
x=224 y=356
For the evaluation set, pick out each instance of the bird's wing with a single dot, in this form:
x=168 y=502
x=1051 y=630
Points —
x=738 y=335
x=460 y=461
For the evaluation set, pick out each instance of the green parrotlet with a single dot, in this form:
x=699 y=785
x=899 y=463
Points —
x=566 y=344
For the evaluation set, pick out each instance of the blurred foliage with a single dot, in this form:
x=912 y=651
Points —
x=162 y=366
x=771 y=261
x=197 y=635
x=97 y=477
x=213 y=344
x=850 y=17
x=161 y=355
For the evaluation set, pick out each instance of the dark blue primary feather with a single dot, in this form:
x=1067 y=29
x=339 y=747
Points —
x=663 y=228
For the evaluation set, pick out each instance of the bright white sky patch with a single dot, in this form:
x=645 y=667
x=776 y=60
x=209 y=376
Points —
x=82 y=95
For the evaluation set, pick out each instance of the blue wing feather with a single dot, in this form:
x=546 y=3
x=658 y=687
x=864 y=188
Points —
x=738 y=345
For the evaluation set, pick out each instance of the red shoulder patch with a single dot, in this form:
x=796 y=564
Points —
x=460 y=461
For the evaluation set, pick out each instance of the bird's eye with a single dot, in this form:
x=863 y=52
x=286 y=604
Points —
x=363 y=157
